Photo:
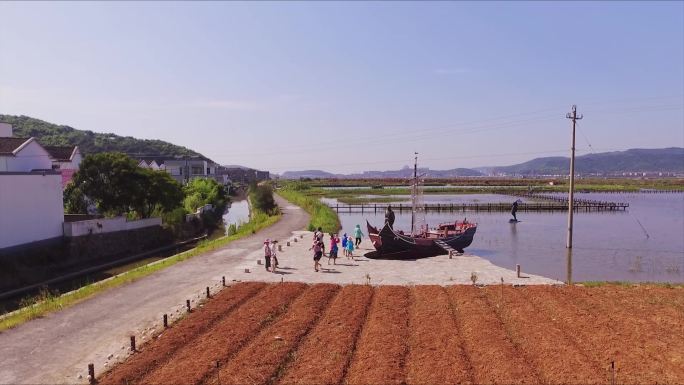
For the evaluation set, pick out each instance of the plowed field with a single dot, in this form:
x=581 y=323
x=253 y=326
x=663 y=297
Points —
x=292 y=333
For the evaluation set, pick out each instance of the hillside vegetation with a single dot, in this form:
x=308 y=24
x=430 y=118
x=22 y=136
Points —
x=49 y=134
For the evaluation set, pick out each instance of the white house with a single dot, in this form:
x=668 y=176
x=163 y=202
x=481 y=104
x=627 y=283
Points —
x=65 y=159
x=31 y=207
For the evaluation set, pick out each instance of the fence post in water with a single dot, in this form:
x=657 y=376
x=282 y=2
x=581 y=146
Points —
x=132 y=343
x=517 y=270
x=187 y=304
x=91 y=374
x=223 y=280
x=208 y=295
x=166 y=321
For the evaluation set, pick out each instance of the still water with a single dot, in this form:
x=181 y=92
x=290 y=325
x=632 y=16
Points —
x=643 y=244
x=237 y=213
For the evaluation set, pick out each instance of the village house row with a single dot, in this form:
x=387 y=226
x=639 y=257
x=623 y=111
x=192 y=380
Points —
x=33 y=177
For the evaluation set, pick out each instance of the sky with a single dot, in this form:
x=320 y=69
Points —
x=353 y=86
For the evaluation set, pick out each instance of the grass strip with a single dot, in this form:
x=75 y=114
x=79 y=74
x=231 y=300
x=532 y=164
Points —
x=47 y=303
x=161 y=349
x=381 y=349
x=259 y=361
x=321 y=215
x=195 y=362
x=324 y=355
x=436 y=355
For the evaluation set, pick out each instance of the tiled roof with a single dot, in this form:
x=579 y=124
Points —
x=8 y=145
x=60 y=153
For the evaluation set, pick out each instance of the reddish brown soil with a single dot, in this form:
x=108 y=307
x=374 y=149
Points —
x=383 y=345
x=196 y=323
x=419 y=335
x=197 y=359
x=260 y=360
x=646 y=337
x=436 y=353
x=544 y=343
x=324 y=356
x=486 y=342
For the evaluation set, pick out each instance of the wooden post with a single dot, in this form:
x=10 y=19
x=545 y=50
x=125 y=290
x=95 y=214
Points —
x=187 y=304
x=223 y=280
x=91 y=374
x=132 y=343
x=517 y=270
x=166 y=321
x=208 y=294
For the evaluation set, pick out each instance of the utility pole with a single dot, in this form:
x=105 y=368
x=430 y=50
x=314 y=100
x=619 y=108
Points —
x=414 y=191
x=573 y=115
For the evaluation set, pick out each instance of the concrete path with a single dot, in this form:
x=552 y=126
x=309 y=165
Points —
x=56 y=349
x=296 y=264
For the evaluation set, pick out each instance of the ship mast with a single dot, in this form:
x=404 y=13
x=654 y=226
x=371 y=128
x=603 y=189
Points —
x=414 y=187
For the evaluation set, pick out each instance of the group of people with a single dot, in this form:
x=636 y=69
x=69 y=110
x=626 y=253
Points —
x=270 y=255
x=346 y=242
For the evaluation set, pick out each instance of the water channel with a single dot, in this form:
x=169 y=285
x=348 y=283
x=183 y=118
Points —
x=643 y=244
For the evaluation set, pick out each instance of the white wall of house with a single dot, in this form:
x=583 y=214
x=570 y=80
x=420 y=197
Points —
x=31 y=208
x=31 y=157
x=75 y=162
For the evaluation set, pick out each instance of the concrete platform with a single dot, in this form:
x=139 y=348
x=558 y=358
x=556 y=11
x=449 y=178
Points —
x=296 y=264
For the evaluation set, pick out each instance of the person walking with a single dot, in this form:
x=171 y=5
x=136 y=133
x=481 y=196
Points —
x=344 y=245
x=514 y=209
x=274 y=257
x=267 y=254
x=350 y=248
x=358 y=234
x=317 y=253
x=319 y=235
x=333 y=248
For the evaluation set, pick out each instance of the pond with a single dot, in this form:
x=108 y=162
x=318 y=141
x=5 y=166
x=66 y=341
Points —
x=643 y=244
x=237 y=213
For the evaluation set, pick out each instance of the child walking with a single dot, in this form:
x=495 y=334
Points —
x=350 y=248
x=344 y=245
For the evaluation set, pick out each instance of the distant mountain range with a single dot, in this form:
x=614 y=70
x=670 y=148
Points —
x=49 y=134
x=405 y=172
x=664 y=160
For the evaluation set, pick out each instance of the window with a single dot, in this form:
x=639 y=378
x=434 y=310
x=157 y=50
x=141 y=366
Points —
x=208 y=171
x=197 y=170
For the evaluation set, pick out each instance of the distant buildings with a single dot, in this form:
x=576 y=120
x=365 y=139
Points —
x=185 y=168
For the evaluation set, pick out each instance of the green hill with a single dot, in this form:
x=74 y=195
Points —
x=669 y=160
x=89 y=142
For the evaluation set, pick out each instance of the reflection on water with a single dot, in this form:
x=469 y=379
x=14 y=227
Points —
x=237 y=213
x=607 y=245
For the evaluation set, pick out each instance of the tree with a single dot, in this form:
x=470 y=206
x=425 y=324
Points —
x=262 y=198
x=116 y=185
x=200 y=192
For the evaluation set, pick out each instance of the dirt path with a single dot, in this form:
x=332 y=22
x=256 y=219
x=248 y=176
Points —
x=57 y=348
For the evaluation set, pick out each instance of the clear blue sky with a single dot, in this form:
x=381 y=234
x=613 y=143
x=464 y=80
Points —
x=319 y=85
